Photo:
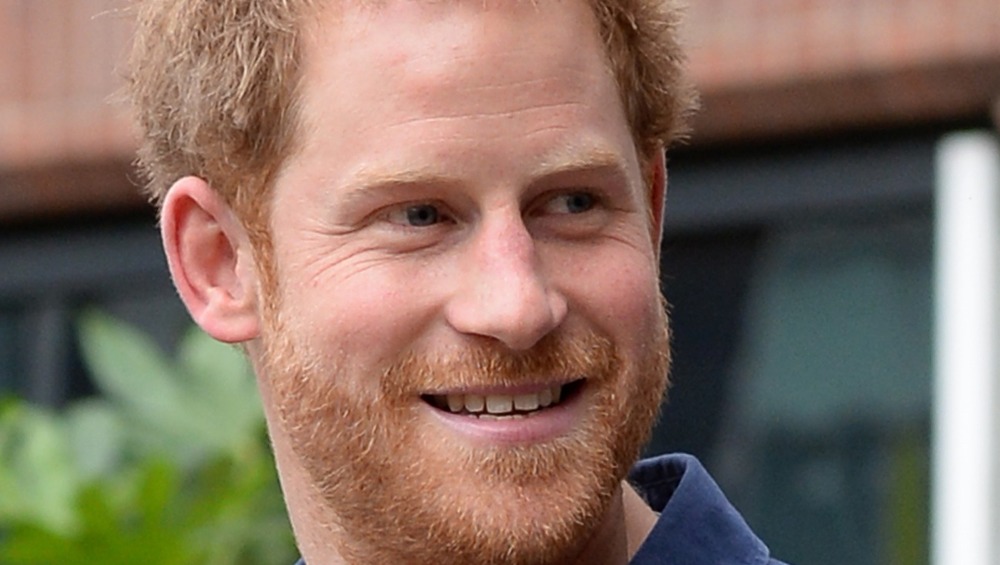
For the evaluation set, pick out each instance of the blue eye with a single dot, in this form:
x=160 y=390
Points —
x=578 y=202
x=570 y=203
x=422 y=215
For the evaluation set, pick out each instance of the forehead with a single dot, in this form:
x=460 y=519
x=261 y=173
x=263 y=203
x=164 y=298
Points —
x=475 y=70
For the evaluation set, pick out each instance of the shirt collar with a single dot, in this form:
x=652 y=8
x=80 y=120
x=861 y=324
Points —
x=697 y=525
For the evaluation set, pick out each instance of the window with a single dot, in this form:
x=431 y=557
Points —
x=801 y=288
x=49 y=275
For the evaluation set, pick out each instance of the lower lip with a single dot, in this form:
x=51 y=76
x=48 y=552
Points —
x=544 y=425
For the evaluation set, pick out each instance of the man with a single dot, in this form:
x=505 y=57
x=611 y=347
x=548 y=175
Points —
x=434 y=227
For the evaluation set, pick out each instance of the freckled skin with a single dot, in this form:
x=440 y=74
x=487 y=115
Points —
x=497 y=119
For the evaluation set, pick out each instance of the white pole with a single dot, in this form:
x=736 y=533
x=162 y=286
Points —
x=967 y=372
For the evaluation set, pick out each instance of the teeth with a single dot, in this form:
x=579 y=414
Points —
x=545 y=397
x=499 y=404
x=504 y=417
x=474 y=403
x=527 y=401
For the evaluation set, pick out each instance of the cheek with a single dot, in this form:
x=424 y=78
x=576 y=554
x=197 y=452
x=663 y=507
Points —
x=619 y=292
x=371 y=316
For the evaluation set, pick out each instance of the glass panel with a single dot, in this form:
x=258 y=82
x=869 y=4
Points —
x=52 y=275
x=805 y=382
x=11 y=365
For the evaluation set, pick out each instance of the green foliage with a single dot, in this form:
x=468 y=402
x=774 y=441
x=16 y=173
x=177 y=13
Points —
x=170 y=466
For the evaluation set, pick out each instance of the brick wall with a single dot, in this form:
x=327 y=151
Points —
x=783 y=67
x=58 y=63
x=64 y=149
x=766 y=68
x=736 y=42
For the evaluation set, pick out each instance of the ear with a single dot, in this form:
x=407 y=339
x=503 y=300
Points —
x=656 y=181
x=211 y=260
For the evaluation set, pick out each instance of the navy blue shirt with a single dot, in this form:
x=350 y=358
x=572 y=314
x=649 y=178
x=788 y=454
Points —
x=697 y=525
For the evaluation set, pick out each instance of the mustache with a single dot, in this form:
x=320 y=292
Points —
x=555 y=358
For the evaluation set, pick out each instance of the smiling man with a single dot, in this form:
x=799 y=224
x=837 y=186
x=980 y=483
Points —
x=434 y=227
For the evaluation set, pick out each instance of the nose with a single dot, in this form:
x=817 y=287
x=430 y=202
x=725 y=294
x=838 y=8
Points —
x=502 y=292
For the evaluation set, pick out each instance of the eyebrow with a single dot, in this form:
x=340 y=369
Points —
x=587 y=164
x=366 y=183
x=580 y=160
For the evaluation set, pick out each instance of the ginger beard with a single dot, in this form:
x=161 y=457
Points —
x=401 y=490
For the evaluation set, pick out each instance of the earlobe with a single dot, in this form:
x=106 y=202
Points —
x=210 y=260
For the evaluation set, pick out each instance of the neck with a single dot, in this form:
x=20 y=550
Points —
x=626 y=525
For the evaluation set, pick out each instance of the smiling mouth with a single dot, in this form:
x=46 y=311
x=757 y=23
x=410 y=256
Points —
x=487 y=406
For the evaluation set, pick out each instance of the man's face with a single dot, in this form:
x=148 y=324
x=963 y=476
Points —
x=466 y=348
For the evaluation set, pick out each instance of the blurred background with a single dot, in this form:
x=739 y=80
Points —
x=803 y=261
